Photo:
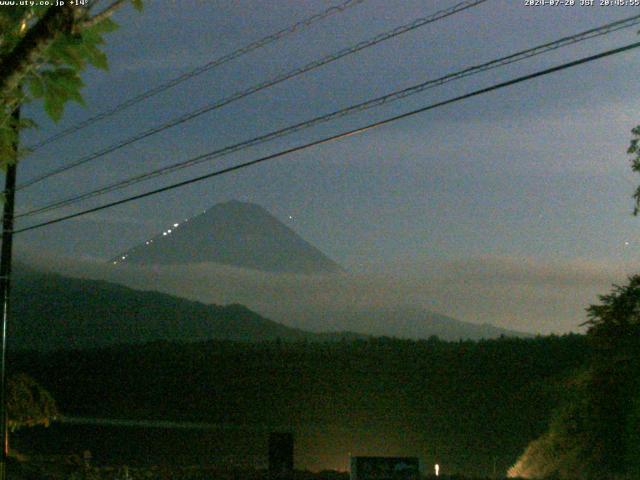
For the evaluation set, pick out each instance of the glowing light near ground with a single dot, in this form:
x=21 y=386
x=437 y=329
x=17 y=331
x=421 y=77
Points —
x=436 y=468
x=175 y=225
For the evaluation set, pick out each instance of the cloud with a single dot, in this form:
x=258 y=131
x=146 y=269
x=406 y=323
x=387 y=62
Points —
x=506 y=270
x=516 y=293
x=567 y=139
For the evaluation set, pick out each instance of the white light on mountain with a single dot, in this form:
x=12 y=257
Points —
x=265 y=232
x=436 y=467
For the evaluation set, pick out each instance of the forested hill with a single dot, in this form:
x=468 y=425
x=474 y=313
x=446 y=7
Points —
x=462 y=404
x=52 y=311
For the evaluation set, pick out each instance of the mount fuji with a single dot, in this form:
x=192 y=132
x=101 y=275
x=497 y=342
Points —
x=232 y=233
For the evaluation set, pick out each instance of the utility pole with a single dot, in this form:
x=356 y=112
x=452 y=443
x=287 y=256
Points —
x=5 y=284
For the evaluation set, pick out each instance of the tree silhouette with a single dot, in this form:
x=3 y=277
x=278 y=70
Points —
x=597 y=432
x=614 y=325
x=28 y=403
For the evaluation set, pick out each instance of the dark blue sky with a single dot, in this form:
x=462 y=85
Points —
x=535 y=174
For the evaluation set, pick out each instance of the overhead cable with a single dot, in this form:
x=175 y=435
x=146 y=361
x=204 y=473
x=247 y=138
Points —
x=198 y=71
x=331 y=138
x=257 y=88
x=385 y=99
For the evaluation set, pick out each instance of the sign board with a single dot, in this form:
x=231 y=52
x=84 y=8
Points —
x=385 y=468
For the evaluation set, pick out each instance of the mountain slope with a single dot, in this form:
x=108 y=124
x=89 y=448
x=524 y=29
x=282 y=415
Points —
x=51 y=311
x=232 y=233
x=401 y=322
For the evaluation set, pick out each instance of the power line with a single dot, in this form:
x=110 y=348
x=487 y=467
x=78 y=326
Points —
x=515 y=57
x=331 y=138
x=259 y=87
x=166 y=424
x=198 y=71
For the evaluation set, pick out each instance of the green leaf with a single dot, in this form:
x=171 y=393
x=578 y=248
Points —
x=62 y=52
x=92 y=37
x=36 y=86
x=27 y=123
x=76 y=96
x=68 y=78
x=105 y=26
x=137 y=4
x=54 y=106
x=7 y=138
x=98 y=59
x=89 y=52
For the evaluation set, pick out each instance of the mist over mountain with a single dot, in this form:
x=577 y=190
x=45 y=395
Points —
x=274 y=283
x=402 y=322
x=232 y=233
x=51 y=311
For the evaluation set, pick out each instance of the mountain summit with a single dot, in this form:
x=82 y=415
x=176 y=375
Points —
x=232 y=233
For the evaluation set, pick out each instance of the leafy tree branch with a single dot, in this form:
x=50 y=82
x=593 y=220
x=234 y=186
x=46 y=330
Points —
x=43 y=51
